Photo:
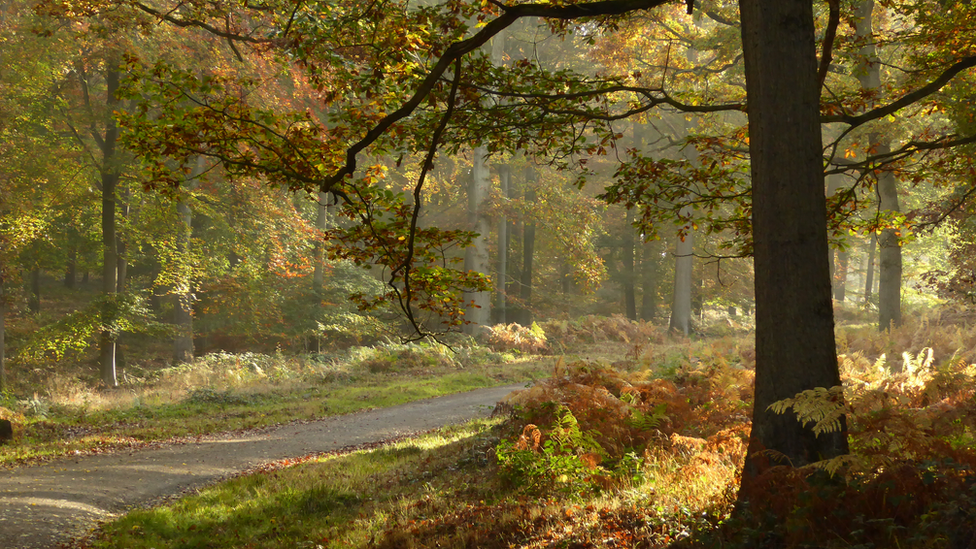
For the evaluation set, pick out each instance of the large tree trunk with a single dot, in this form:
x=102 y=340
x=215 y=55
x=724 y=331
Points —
x=794 y=319
x=110 y=179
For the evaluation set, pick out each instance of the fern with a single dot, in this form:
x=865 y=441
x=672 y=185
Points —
x=822 y=407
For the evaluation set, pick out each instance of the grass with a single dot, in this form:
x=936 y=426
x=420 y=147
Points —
x=228 y=392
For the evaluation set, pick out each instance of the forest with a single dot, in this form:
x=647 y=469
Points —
x=734 y=243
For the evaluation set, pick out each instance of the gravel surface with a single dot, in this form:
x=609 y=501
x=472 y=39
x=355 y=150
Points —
x=46 y=506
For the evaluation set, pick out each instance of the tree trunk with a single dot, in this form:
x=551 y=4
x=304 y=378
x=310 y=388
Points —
x=321 y=215
x=681 y=296
x=110 y=179
x=649 y=273
x=501 y=299
x=630 y=295
x=34 y=293
x=795 y=348
x=869 y=71
x=478 y=309
x=71 y=266
x=3 y=333
x=528 y=254
x=183 y=308
x=889 y=249
x=840 y=276
x=869 y=275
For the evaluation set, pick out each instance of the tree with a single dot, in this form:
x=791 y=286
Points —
x=795 y=348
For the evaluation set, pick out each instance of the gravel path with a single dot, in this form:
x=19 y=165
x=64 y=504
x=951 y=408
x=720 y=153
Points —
x=42 y=507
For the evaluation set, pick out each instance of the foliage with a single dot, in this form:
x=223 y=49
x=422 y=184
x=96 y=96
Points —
x=115 y=313
x=566 y=462
x=515 y=337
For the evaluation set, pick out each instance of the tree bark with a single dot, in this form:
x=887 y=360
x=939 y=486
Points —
x=794 y=319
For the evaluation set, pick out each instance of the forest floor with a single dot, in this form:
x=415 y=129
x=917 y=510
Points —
x=49 y=505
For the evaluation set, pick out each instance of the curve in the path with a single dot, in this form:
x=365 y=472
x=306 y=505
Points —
x=44 y=506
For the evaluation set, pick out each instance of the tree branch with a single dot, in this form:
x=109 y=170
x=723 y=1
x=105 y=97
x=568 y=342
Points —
x=907 y=99
x=458 y=49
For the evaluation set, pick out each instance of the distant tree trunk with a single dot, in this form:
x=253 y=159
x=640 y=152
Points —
x=840 y=276
x=501 y=298
x=869 y=275
x=795 y=347
x=630 y=294
x=34 y=293
x=321 y=215
x=869 y=70
x=183 y=308
x=681 y=296
x=528 y=253
x=650 y=260
x=110 y=179
x=478 y=304
x=71 y=265
x=3 y=333
x=889 y=272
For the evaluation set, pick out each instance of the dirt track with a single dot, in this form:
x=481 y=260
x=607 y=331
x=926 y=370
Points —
x=45 y=506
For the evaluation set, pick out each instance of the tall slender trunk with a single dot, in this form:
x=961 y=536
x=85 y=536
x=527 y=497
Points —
x=630 y=294
x=501 y=298
x=478 y=309
x=869 y=71
x=183 y=308
x=681 y=296
x=889 y=250
x=869 y=274
x=321 y=215
x=110 y=179
x=528 y=253
x=3 y=333
x=795 y=348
